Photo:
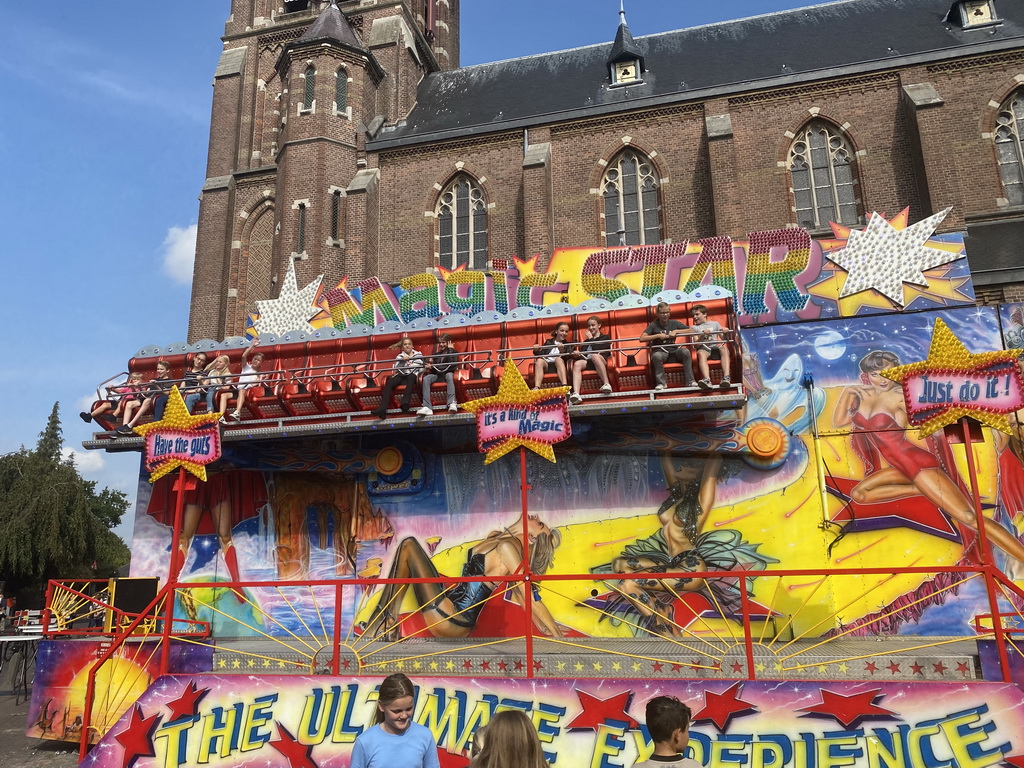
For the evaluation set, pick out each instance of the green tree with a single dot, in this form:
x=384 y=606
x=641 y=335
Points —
x=53 y=523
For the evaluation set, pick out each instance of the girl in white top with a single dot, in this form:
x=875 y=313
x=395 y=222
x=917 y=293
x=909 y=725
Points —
x=552 y=354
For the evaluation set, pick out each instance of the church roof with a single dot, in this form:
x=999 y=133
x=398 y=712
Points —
x=331 y=24
x=776 y=49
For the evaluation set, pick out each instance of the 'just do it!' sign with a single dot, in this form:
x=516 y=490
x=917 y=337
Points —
x=953 y=383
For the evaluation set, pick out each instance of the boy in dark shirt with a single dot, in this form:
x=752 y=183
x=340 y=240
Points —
x=662 y=335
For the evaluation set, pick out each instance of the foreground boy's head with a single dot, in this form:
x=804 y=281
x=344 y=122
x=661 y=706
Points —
x=668 y=722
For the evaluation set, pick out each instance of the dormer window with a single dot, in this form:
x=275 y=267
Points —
x=626 y=61
x=625 y=72
x=971 y=14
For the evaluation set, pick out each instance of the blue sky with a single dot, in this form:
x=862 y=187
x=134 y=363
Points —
x=103 y=153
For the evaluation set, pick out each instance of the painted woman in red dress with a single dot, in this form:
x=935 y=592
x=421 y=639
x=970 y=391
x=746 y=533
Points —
x=877 y=408
x=230 y=497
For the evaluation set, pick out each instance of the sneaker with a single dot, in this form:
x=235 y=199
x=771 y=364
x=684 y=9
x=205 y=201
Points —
x=606 y=389
x=124 y=429
x=658 y=387
x=575 y=399
x=704 y=384
x=86 y=416
x=725 y=383
x=426 y=410
x=453 y=408
x=236 y=416
x=381 y=414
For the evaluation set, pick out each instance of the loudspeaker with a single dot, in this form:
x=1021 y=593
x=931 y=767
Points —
x=131 y=596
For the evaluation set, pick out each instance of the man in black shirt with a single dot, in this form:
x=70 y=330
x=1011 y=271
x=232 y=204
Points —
x=662 y=336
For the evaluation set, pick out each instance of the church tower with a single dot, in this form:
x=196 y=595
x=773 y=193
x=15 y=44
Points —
x=299 y=88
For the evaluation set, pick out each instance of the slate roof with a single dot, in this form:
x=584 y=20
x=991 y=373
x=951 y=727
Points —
x=331 y=24
x=776 y=49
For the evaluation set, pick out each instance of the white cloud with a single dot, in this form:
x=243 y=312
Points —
x=86 y=461
x=179 y=253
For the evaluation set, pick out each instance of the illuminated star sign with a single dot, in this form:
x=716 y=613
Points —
x=953 y=382
x=720 y=708
x=180 y=439
x=292 y=309
x=518 y=416
x=597 y=712
x=849 y=710
x=882 y=258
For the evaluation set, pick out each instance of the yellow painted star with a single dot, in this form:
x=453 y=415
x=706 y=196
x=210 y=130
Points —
x=513 y=391
x=177 y=420
x=948 y=354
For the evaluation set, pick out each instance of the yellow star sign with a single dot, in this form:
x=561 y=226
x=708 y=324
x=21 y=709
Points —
x=954 y=382
x=518 y=416
x=180 y=439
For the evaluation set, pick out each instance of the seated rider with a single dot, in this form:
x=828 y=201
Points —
x=663 y=337
x=711 y=346
x=591 y=353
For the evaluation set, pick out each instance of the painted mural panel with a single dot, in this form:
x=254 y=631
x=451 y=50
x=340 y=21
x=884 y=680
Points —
x=291 y=721
x=628 y=499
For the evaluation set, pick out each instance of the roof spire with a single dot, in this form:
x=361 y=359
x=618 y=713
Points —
x=624 y=47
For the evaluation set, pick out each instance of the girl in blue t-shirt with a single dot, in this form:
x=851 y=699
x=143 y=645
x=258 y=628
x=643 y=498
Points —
x=394 y=740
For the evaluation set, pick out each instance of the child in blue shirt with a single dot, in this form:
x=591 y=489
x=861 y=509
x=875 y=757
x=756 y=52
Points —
x=394 y=740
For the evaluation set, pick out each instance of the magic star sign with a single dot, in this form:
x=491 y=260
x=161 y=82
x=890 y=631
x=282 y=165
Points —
x=954 y=382
x=518 y=416
x=180 y=439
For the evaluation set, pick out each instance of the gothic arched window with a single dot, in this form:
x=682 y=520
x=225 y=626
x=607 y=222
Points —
x=823 y=177
x=462 y=224
x=632 y=211
x=1009 y=149
x=310 y=92
x=341 y=91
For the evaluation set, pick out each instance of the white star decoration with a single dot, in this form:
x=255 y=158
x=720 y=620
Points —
x=291 y=310
x=883 y=257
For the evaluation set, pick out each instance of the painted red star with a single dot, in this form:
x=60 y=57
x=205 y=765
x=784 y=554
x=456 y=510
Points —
x=537 y=666
x=940 y=668
x=346 y=663
x=467 y=664
x=137 y=737
x=720 y=708
x=297 y=755
x=597 y=712
x=917 y=669
x=848 y=710
x=677 y=667
x=657 y=666
x=915 y=512
x=871 y=667
x=485 y=665
x=503 y=665
x=519 y=664
x=187 y=703
x=963 y=668
x=737 y=666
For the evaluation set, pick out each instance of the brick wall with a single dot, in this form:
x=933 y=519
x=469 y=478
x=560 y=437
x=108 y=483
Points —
x=926 y=155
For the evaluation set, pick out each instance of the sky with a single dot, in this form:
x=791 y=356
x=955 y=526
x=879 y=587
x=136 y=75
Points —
x=103 y=138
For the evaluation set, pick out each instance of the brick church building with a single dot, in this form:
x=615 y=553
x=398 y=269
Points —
x=347 y=138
